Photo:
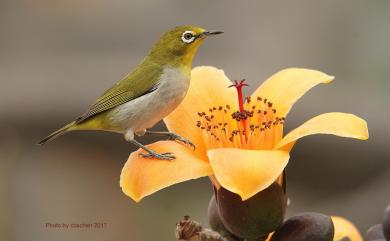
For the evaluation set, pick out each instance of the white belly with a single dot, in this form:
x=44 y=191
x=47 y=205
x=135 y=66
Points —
x=144 y=112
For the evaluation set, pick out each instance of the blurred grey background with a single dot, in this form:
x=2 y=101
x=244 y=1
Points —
x=56 y=57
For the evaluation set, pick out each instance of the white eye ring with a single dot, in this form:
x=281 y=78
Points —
x=188 y=37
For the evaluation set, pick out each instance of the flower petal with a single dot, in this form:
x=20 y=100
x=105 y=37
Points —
x=247 y=172
x=284 y=88
x=141 y=177
x=345 y=229
x=335 y=123
x=208 y=88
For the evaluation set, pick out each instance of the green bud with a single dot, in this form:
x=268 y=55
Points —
x=256 y=217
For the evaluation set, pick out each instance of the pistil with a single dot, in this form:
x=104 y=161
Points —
x=241 y=116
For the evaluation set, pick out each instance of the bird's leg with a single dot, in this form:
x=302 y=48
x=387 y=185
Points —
x=153 y=154
x=171 y=136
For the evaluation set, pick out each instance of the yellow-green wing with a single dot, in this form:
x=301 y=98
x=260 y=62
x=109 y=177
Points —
x=140 y=82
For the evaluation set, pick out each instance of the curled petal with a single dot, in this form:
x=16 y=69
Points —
x=287 y=86
x=247 y=172
x=335 y=123
x=141 y=177
x=345 y=229
x=208 y=88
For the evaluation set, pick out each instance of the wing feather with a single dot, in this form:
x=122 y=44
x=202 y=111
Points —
x=109 y=103
x=124 y=91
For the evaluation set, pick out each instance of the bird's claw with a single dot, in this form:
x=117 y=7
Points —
x=182 y=140
x=161 y=156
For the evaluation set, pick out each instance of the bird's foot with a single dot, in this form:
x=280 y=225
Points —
x=161 y=156
x=176 y=137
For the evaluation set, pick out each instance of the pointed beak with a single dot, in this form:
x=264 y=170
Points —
x=208 y=33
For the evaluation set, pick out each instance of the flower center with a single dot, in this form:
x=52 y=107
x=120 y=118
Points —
x=255 y=125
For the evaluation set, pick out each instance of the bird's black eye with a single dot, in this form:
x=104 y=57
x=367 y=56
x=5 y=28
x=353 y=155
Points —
x=188 y=37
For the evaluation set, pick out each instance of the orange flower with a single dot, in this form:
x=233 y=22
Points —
x=240 y=144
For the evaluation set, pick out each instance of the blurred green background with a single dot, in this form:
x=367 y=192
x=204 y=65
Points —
x=56 y=57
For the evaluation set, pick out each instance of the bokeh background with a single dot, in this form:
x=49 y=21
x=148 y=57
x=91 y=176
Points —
x=56 y=57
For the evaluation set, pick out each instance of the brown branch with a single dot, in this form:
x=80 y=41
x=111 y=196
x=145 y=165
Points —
x=190 y=230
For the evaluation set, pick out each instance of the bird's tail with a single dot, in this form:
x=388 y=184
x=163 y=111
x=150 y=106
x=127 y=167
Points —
x=56 y=133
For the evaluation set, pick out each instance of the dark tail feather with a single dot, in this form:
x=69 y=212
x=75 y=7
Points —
x=56 y=134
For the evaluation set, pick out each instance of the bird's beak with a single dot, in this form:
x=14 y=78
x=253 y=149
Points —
x=208 y=33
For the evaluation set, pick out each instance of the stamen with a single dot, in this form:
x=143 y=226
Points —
x=253 y=126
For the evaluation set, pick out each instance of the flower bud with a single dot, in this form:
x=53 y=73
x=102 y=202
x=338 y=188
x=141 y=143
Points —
x=256 y=217
x=305 y=227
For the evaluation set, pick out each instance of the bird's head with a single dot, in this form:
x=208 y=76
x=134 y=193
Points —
x=179 y=45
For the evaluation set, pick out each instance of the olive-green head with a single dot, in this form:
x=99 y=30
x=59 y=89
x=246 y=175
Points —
x=179 y=45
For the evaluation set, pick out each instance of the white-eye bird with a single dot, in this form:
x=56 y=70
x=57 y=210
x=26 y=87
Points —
x=148 y=94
